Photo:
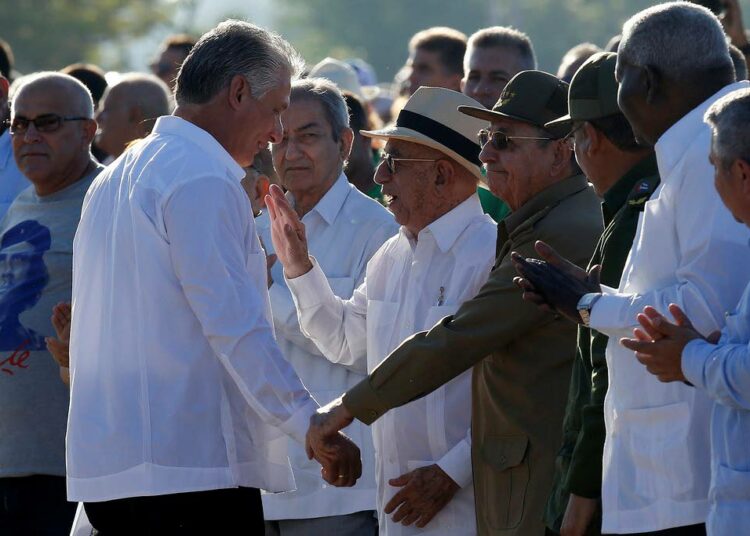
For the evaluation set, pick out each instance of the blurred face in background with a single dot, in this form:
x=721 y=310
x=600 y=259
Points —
x=487 y=70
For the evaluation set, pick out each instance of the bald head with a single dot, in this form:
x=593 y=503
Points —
x=129 y=110
x=75 y=98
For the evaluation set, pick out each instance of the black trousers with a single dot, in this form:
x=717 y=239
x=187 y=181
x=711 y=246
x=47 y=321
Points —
x=692 y=530
x=221 y=511
x=35 y=505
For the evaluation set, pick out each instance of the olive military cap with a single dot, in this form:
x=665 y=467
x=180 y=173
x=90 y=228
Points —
x=533 y=97
x=593 y=91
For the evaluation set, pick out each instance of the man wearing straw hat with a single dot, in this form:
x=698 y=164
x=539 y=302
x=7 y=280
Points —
x=521 y=356
x=441 y=257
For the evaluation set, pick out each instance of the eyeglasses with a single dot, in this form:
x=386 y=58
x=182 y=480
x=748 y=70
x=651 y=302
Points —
x=569 y=139
x=500 y=139
x=390 y=161
x=43 y=123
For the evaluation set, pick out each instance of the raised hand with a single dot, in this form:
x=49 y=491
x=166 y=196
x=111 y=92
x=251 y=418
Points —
x=424 y=492
x=338 y=455
x=59 y=347
x=288 y=234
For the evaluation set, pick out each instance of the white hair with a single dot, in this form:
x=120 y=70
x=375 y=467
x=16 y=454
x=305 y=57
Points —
x=330 y=98
x=81 y=102
x=679 y=39
x=728 y=118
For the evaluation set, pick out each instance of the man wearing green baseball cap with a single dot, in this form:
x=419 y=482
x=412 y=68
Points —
x=624 y=175
x=521 y=356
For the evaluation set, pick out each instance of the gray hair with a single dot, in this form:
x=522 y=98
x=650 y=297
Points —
x=680 y=39
x=235 y=48
x=728 y=118
x=330 y=98
x=147 y=93
x=504 y=37
x=80 y=101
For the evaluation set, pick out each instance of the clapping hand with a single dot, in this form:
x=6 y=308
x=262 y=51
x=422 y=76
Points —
x=288 y=234
x=554 y=283
x=658 y=343
x=59 y=347
x=338 y=455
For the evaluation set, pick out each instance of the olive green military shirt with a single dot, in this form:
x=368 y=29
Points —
x=578 y=468
x=521 y=358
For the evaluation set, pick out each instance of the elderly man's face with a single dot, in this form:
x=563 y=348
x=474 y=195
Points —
x=409 y=189
x=117 y=122
x=732 y=182
x=307 y=157
x=43 y=157
x=487 y=72
x=517 y=172
x=631 y=98
x=261 y=120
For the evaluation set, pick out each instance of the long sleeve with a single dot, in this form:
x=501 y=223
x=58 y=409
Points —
x=210 y=258
x=722 y=370
x=337 y=327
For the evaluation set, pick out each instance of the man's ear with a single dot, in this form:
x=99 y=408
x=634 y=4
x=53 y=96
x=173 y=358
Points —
x=593 y=139
x=346 y=138
x=239 y=89
x=652 y=81
x=88 y=129
x=741 y=171
x=561 y=157
x=445 y=173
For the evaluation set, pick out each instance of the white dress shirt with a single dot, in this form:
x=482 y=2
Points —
x=409 y=286
x=723 y=371
x=12 y=180
x=177 y=383
x=687 y=250
x=344 y=229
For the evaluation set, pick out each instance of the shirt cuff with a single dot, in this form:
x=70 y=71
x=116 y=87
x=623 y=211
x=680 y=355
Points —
x=694 y=357
x=457 y=463
x=607 y=314
x=363 y=402
x=305 y=288
x=296 y=426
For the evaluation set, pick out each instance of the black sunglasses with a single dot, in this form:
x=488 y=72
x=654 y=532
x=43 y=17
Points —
x=43 y=123
x=500 y=140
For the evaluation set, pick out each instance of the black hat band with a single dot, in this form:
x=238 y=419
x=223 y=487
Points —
x=456 y=142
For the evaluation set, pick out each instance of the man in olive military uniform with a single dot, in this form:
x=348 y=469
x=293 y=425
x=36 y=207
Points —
x=521 y=356
x=624 y=175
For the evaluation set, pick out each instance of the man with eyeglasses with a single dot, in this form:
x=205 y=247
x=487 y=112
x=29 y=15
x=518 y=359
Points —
x=521 y=357
x=441 y=257
x=51 y=129
x=625 y=175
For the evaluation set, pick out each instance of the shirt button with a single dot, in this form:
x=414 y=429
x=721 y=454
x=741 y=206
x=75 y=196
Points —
x=502 y=459
x=373 y=414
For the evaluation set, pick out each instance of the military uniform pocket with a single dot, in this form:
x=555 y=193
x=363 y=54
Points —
x=501 y=480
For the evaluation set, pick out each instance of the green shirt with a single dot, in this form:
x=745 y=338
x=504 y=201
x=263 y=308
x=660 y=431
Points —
x=578 y=468
x=492 y=206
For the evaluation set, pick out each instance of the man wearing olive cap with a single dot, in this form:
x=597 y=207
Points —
x=624 y=175
x=521 y=356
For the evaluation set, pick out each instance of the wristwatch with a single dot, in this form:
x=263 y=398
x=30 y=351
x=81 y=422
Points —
x=585 y=304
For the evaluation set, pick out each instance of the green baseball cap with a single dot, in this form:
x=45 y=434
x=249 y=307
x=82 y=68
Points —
x=533 y=97
x=593 y=91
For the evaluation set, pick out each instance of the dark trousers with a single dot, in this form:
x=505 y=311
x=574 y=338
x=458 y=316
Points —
x=692 y=530
x=35 y=505
x=221 y=511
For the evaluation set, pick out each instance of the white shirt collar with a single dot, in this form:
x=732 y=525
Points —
x=448 y=227
x=330 y=204
x=171 y=125
x=673 y=144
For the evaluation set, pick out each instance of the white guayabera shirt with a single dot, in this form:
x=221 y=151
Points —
x=177 y=384
x=687 y=250
x=409 y=286
x=344 y=229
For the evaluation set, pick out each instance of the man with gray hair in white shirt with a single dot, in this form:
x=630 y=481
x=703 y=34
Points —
x=344 y=229
x=177 y=384
x=673 y=64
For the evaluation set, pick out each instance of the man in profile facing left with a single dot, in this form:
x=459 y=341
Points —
x=177 y=384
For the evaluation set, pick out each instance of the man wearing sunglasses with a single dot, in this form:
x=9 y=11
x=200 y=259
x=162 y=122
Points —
x=521 y=357
x=440 y=258
x=51 y=129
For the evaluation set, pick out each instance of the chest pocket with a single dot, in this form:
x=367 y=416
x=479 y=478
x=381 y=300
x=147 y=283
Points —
x=381 y=321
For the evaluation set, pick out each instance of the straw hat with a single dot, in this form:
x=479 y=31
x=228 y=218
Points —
x=431 y=118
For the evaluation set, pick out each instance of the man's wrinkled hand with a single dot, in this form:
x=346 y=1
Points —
x=579 y=515
x=288 y=234
x=338 y=455
x=424 y=492
x=554 y=282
